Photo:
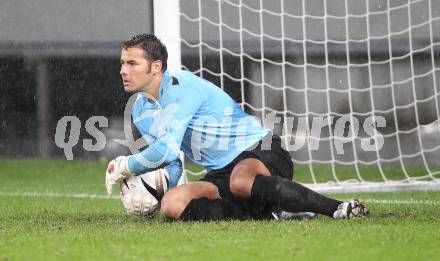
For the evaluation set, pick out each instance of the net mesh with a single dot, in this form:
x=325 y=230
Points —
x=329 y=66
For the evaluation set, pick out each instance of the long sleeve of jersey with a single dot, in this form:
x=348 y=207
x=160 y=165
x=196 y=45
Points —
x=174 y=170
x=168 y=124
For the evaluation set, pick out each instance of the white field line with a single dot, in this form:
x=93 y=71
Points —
x=56 y=195
x=94 y=196
x=404 y=202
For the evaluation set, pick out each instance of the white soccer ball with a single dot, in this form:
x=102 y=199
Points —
x=141 y=194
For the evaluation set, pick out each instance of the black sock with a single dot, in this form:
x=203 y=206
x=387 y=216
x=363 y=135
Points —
x=290 y=196
x=204 y=209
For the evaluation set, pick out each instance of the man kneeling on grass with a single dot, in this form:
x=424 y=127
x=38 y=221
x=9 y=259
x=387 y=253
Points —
x=249 y=174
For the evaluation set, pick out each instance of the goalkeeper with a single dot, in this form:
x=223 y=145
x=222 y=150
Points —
x=249 y=175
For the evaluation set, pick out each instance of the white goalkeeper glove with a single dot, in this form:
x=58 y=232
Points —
x=139 y=205
x=117 y=171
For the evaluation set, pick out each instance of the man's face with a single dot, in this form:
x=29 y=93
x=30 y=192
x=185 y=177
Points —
x=135 y=70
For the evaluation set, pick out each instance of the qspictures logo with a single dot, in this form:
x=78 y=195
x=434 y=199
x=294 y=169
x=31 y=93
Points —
x=163 y=124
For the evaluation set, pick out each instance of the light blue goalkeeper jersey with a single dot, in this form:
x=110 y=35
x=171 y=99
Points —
x=196 y=117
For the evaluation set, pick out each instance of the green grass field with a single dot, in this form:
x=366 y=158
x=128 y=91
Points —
x=57 y=210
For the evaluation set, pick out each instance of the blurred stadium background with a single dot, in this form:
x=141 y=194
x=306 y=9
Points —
x=60 y=58
x=320 y=58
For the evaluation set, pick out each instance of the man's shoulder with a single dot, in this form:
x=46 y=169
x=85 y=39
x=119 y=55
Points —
x=191 y=85
x=181 y=74
x=181 y=89
x=184 y=83
x=187 y=78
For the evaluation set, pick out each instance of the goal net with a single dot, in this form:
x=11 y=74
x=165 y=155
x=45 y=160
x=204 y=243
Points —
x=352 y=86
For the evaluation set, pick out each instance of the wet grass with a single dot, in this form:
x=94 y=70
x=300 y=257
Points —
x=42 y=226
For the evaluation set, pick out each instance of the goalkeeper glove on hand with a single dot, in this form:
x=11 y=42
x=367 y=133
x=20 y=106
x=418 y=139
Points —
x=117 y=171
x=138 y=204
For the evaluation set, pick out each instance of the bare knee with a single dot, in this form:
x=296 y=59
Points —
x=243 y=176
x=172 y=204
x=241 y=181
x=238 y=185
x=175 y=201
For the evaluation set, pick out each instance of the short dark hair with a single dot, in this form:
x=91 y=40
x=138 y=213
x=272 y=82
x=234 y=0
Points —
x=153 y=48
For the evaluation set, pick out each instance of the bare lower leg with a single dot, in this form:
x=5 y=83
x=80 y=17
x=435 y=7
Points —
x=243 y=175
x=176 y=200
x=251 y=179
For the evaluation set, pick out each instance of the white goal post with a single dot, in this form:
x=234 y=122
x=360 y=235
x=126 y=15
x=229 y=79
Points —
x=355 y=85
x=167 y=28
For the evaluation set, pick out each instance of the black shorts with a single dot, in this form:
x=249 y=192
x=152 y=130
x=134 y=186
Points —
x=277 y=161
